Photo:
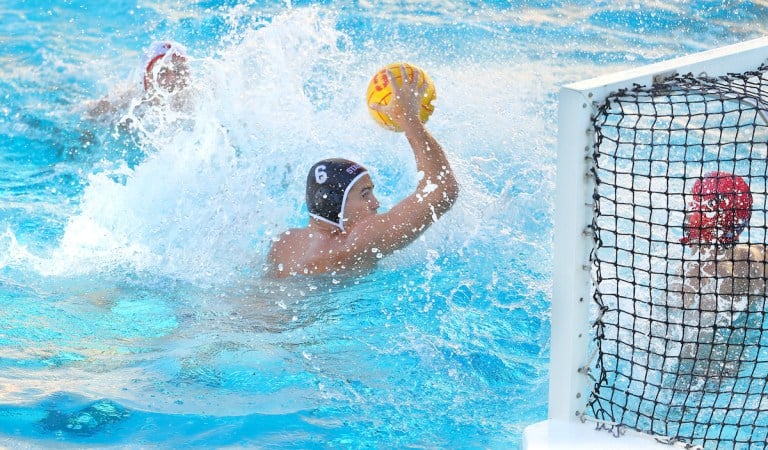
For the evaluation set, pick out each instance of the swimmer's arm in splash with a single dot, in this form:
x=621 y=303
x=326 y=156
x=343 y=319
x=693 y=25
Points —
x=436 y=192
x=111 y=105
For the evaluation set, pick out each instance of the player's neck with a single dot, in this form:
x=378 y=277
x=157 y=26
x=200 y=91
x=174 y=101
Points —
x=318 y=226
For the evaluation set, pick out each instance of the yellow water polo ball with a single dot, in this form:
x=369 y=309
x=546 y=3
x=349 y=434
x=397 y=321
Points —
x=380 y=92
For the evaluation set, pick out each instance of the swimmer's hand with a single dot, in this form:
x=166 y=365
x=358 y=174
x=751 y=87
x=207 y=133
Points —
x=405 y=106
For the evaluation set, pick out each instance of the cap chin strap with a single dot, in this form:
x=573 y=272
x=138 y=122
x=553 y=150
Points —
x=323 y=219
x=340 y=223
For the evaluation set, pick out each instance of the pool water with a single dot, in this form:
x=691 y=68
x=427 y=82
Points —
x=133 y=306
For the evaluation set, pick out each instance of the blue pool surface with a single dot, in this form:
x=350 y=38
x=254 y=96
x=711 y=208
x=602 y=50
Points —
x=133 y=307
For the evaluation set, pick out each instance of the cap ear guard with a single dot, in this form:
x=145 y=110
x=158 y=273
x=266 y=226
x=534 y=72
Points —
x=320 y=198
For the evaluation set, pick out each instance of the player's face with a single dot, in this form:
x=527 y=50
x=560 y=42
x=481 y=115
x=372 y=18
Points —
x=174 y=76
x=361 y=202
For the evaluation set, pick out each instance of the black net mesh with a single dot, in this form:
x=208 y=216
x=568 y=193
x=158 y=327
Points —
x=680 y=330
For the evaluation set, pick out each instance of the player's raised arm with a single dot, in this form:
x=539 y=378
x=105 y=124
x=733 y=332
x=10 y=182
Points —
x=437 y=189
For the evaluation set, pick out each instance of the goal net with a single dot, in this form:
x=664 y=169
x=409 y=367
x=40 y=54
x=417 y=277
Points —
x=676 y=170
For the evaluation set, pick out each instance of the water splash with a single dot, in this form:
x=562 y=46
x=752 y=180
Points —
x=224 y=173
x=221 y=173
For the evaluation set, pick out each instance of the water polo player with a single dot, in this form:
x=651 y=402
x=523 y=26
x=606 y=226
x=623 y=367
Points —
x=165 y=74
x=345 y=232
x=719 y=210
x=721 y=277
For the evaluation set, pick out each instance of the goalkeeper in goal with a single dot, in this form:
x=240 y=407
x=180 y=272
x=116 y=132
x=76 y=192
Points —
x=721 y=277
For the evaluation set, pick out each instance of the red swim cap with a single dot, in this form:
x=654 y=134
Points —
x=718 y=211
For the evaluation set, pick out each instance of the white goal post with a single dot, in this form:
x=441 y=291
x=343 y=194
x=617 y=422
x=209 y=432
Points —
x=571 y=331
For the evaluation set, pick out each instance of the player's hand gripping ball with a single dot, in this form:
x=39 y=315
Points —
x=380 y=92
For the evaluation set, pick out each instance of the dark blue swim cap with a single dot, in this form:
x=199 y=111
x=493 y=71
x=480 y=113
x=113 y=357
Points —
x=328 y=183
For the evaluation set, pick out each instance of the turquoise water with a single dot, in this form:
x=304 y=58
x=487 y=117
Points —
x=132 y=305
